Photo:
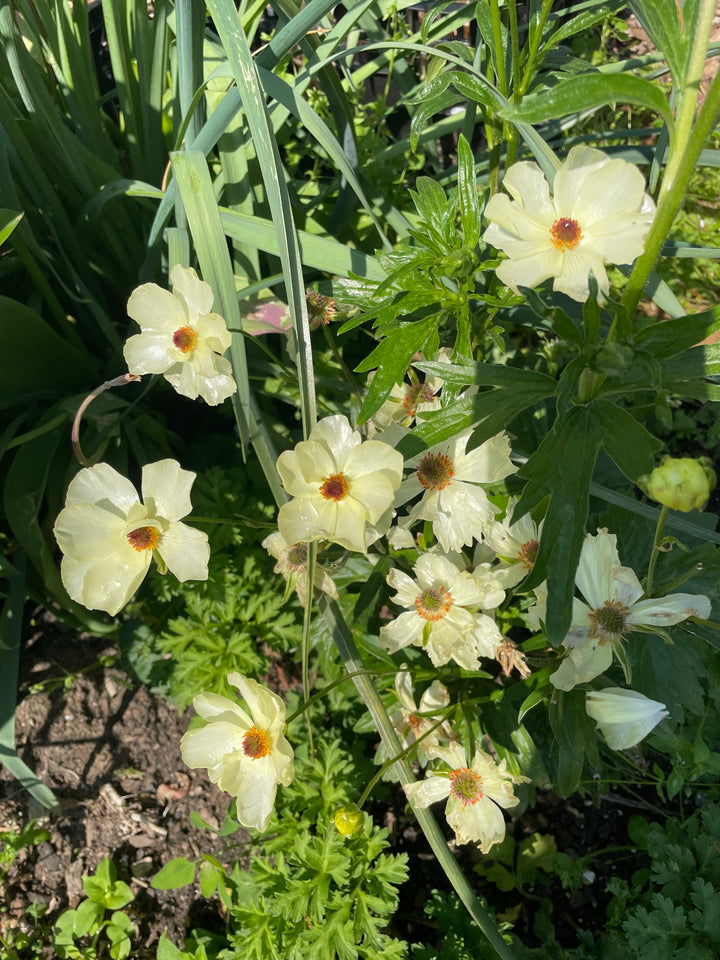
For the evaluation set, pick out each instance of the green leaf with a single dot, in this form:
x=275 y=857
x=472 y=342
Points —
x=628 y=444
x=672 y=337
x=468 y=194
x=9 y=219
x=661 y=22
x=587 y=93
x=574 y=732
x=561 y=469
x=87 y=917
x=209 y=878
x=166 y=949
x=487 y=375
x=392 y=357
x=176 y=873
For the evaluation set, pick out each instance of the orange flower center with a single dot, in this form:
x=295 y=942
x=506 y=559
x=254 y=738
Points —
x=335 y=487
x=609 y=622
x=565 y=233
x=528 y=554
x=435 y=471
x=185 y=339
x=433 y=603
x=256 y=743
x=144 y=538
x=466 y=785
x=415 y=394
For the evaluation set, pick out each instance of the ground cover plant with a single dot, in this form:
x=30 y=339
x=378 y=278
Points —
x=358 y=414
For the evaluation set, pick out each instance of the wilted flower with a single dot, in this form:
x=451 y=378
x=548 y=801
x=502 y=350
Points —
x=453 y=499
x=680 y=483
x=599 y=213
x=181 y=338
x=437 y=618
x=321 y=309
x=624 y=717
x=247 y=756
x=475 y=793
x=292 y=564
x=108 y=537
x=342 y=488
x=510 y=657
x=613 y=610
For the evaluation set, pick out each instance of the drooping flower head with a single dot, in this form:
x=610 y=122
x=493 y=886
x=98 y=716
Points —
x=516 y=543
x=613 y=609
x=437 y=617
x=246 y=755
x=415 y=721
x=599 y=213
x=407 y=400
x=477 y=794
x=108 y=536
x=624 y=717
x=181 y=338
x=292 y=564
x=342 y=488
x=450 y=481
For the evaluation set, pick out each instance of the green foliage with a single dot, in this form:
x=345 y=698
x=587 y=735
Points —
x=13 y=843
x=86 y=933
x=459 y=937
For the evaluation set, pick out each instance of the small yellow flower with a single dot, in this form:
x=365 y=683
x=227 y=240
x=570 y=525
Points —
x=680 y=483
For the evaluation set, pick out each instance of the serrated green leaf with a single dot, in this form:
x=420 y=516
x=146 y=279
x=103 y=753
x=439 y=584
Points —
x=392 y=358
x=468 y=194
x=176 y=873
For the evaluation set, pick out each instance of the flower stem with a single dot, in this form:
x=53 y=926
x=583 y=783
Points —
x=75 y=433
x=655 y=549
x=404 y=774
x=689 y=139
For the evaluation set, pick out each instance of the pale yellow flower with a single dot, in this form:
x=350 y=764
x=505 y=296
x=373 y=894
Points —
x=599 y=213
x=246 y=755
x=342 y=488
x=612 y=611
x=624 y=717
x=108 y=536
x=477 y=794
x=181 y=338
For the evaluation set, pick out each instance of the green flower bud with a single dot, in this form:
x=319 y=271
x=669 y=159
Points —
x=348 y=819
x=680 y=483
x=458 y=264
x=614 y=358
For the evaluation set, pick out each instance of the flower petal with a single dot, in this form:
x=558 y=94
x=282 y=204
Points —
x=196 y=293
x=102 y=484
x=168 y=486
x=186 y=551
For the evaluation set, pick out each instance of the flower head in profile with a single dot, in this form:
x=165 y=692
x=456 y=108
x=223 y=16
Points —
x=342 y=488
x=516 y=544
x=450 y=480
x=109 y=536
x=612 y=609
x=437 y=617
x=624 y=717
x=599 y=213
x=407 y=400
x=181 y=338
x=477 y=794
x=414 y=721
x=246 y=754
x=292 y=564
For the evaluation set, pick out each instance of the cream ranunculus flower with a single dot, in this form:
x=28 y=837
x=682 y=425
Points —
x=181 y=338
x=450 y=479
x=108 y=537
x=246 y=755
x=624 y=717
x=477 y=794
x=599 y=213
x=412 y=721
x=612 y=611
x=342 y=488
x=516 y=544
x=437 y=618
